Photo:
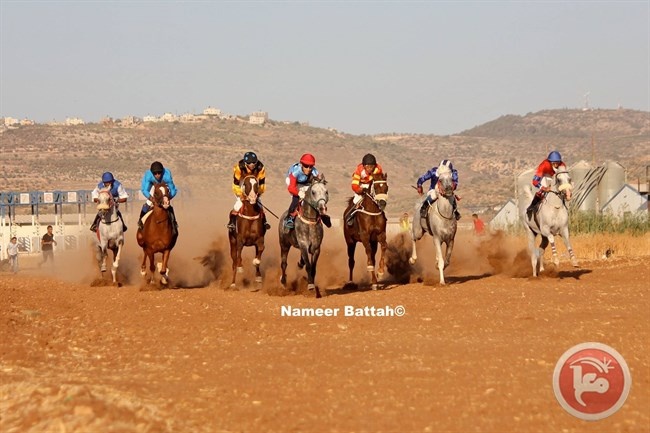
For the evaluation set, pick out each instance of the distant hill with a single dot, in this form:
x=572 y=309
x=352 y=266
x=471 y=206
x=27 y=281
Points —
x=201 y=155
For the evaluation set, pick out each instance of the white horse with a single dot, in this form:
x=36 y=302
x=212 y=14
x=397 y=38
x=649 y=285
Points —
x=550 y=219
x=110 y=233
x=440 y=221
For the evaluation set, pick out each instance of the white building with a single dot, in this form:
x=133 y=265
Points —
x=506 y=217
x=74 y=121
x=626 y=201
x=258 y=118
x=211 y=111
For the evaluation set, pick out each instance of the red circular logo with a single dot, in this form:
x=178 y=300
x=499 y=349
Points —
x=591 y=381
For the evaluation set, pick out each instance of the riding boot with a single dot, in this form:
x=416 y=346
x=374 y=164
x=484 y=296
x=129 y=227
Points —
x=232 y=224
x=533 y=205
x=140 y=223
x=326 y=220
x=289 y=221
x=119 y=214
x=456 y=214
x=172 y=216
x=424 y=210
x=93 y=227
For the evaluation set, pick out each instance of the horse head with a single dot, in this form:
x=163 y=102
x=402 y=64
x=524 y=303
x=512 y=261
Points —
x=160 y=195
x=249 y=188
x=563 y=184
x=317 y=196
x=379 y=190
x=445 y=183
x=105 y=200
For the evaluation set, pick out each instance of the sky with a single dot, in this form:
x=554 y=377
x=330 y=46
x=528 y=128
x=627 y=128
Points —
x=361 y=67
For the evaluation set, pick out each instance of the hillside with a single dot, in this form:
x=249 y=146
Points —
x=201 y=155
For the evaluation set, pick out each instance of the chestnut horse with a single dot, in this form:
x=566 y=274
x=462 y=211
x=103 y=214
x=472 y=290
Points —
x=368 y=226
x=157 y=234
x=249 y=229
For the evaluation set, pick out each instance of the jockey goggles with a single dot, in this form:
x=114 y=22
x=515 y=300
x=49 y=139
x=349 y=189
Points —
x=307 y=166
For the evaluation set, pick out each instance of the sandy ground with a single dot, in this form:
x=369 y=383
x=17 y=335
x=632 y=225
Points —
x=475 y=355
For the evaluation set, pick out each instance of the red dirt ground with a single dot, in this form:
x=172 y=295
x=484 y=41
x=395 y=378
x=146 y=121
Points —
x=475 y=355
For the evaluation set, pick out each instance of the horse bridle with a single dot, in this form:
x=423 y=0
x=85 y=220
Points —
x=111 y=205
x=313 y=205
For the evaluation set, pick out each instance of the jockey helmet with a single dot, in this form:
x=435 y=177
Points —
x=369 y=159
x=250 y=158
x=308 y=159
x=108 y=177
x=157 y=167
x=554 y=156
x=447 y=163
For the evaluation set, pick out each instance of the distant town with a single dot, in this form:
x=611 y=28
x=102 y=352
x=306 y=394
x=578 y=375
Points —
x=255 y=118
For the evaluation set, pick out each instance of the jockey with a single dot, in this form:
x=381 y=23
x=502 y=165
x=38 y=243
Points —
x=361 y=179
x=432 y=194
x=155 y=175
x=298 y=179
x=541 y=180
x=249 y=165
x=117 y=192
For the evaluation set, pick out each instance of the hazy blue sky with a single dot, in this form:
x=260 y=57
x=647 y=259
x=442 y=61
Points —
x=360 y=67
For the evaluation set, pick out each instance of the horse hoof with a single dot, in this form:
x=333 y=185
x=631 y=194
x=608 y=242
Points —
x=164 y=281
x=374 y=287
x=258 y=279
x=311 y=286
x=103 y=269
x=233 y=285
x=240 y=270
x=256 y=262
x=380 y=274
x=412 y=261
x=143 y=272
x=575 y=263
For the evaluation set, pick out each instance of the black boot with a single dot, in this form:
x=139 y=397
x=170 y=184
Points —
x=457 y=214
x=140 y=223
x=424 y=210
x=119 y=214
x=172 y=216
x=93 y=227
x=533 y=205
x=232 y=224
x=326 y=220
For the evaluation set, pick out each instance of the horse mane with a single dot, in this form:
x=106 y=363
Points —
x=349 y=200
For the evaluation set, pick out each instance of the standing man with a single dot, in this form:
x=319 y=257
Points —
x=12 y=252
x=47 y=246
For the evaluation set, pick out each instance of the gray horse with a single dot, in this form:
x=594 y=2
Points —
x=550 y=219
x=307 y=234
x=110 y=233
x=440 y=222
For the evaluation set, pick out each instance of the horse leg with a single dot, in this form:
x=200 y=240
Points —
x=351 y=248
x=233 y=257
x=259 y=249
x=164 y=278
x=450 y=248
x=556 y=259
x=540 y=252
x=384 y=245
x=152 y=266
x=284 y=252
x=532 y=250
x=314 y=260
x=116 y=260
x=567 y=243
x=304 y=258
x=439 y=259
x=143 y=268
x=371 y=250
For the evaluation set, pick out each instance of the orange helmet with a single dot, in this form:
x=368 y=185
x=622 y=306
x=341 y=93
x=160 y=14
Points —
x=308 y=159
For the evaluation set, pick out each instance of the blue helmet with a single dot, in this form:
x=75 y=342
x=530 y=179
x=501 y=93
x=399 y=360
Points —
x=250 y=158
x=108 y=177
x=554 y=156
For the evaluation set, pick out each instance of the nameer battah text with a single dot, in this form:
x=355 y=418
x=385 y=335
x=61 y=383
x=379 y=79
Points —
x=346 y=311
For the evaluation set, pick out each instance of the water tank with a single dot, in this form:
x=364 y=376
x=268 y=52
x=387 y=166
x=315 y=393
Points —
x=612 y=181
x=523 y=184
x=586 y=192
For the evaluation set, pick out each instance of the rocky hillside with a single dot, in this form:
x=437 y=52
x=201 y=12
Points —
x=201 y=155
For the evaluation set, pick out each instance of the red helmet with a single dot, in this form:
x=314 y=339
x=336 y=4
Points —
x=308 y=159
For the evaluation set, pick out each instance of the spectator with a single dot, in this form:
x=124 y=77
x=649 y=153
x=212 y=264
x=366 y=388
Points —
x=47 y=246
x=479 y=225
x=12 y=252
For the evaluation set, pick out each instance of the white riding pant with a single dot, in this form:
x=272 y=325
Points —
x=357 y=198
x=238 y=204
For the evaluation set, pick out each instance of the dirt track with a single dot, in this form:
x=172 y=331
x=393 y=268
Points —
x=476 y=355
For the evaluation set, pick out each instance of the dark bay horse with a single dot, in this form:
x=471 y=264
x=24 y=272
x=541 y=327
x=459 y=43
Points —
x=307 y=234
x=368 y=226
x=110 y=233
x=440 y=222
x=249 y=230
x=157 y=234
x=550 y=219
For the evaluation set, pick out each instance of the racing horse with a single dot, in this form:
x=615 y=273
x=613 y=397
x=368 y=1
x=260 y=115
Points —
x=157 y=235
x=440 y=221
x=368 y=226
x=308 y=232
x=110 y=233
x=550 y=219
x=249 y=229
